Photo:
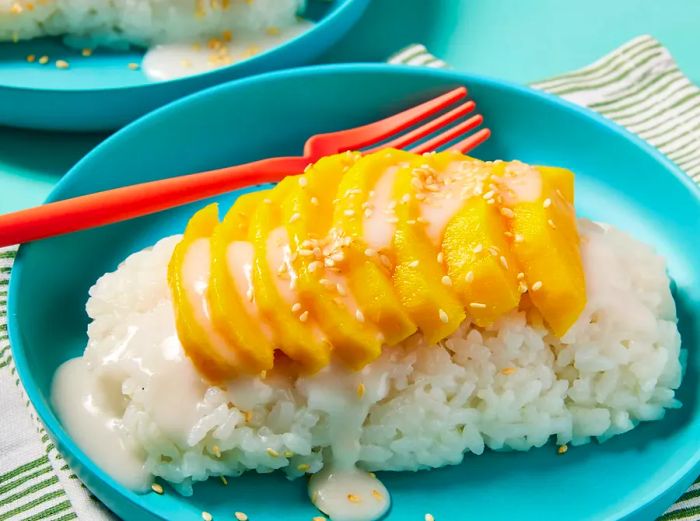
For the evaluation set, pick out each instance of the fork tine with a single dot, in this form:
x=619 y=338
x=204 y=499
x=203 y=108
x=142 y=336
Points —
x=366 y=135
x=428 y=128
x=472 y=141
x=448 y=135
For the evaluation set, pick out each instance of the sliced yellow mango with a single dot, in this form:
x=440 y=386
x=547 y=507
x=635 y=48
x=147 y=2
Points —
x=322 y=264
x=418 y=276
x=561 y=179
x=481 y=266
x=229 y=313
x=212 y=360
x=292 y=328
x=546 y=245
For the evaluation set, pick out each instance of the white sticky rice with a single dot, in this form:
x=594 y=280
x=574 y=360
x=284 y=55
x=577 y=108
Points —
x=511 y=386
x=140 y=22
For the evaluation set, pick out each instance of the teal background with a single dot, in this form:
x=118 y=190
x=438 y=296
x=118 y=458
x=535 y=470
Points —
x=517 y=40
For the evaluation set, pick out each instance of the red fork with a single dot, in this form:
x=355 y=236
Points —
x=128 y=202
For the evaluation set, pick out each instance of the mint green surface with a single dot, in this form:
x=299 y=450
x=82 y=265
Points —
x=518 y=40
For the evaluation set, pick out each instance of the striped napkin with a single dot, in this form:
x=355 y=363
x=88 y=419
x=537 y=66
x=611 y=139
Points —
x=638 y=85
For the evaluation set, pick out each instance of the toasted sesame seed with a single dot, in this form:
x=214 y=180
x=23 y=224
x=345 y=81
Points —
x=314 y=201
x=353 y=498
x=157 y=488
x=547 y=203
x=521 y=275
x=386 y=261
x=414 y=264
x=522 y=287
x=207 y=516
x=478 y=248
x=216 y=451
x=360 y=390
x=272 y=452
x=303 y=467
x=305 y=252
x=313 y=266
x=562 y=449
x=248 y=416
x=444 y=318
x=241 y=516
x=359 y=316
x=440 y=257
x=296 y=307
x=224 y=481
x=369 y=252
x=508 y=234
x=551 y=224
x=304 y=316
x=349 y=213
x=377 y=495
x=508 y=370
x=493 y=251
x=62 y=64
x=507 y=212
x=504 y=262
x=429 y=517
x=446 y=280
x=489 y=194
x=519 y=237
x=303 y=181
x=295 y=216
x=31 y=58
x=133 y=66
x=392 y=220
x=537 y=285
x=288 y=454
x=469 y=276
x=477 y=305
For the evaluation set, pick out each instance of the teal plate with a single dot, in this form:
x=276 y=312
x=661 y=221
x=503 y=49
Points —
x=101 y=92
x=620 y=180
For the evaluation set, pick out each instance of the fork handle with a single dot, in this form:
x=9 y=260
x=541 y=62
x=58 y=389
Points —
x=119 y=204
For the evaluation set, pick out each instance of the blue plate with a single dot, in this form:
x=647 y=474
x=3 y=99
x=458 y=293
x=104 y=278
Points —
x=620 y=180
x=100 y=92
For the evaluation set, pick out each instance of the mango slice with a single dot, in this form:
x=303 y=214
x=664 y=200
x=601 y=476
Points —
x=230 y=314
x=322 y=266
x=481 y=266
x=275 y=285
x=418 y=276
x=208 y=352
x=546 y=245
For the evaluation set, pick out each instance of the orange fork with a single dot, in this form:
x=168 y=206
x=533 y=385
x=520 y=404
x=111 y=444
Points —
x=132 y=201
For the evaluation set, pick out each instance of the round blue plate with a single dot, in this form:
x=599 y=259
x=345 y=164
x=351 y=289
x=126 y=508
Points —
x=101 y=92
x=619 y=180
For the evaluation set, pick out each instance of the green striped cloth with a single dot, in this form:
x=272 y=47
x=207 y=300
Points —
x=637 y=85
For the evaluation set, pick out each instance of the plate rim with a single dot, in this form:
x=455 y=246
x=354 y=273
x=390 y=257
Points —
x=686 y=472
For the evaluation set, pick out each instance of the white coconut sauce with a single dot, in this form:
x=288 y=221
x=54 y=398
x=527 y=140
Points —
x=174 y=60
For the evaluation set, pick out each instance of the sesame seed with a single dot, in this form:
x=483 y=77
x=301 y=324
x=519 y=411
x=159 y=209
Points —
x=303 y=467
x=493 y=251
x=392 y=220
x=521 y=275
x=349 y=213
x=508 y=370
x=62 y=64
x=241 y=516
x=469 y=277
x=295 y=216
x=507 y=212
x=340 y=289
x=478 y=248
x=519 y=238
x=216 y=451
x=406 y=198
x=547 y=203
x=303 y=181
x=207 y=516
x=551 y=224
x=562 y=449
x=446 y=280
x=522 y=287
x=305 y=252
x=272 y=452
x=360 y=390
x=224 y=481
x=133 y=66
x=157 y=488
x=288 y=454
x=313 y=266
x=296 y=307
x=318 y=518
x=440 y=257
x=413 y=264
x=429 y=517
x=314 y=201
x=304 y=316
x=504 y=262
x=377 y=495
x=359 y=316
x=477 y=305
x=508 y=234
x=369 y=252
x=444 y=318
x=368 y=213
x=537 y=285
x=386 y=261
x=31 y=58
x=353 y=498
